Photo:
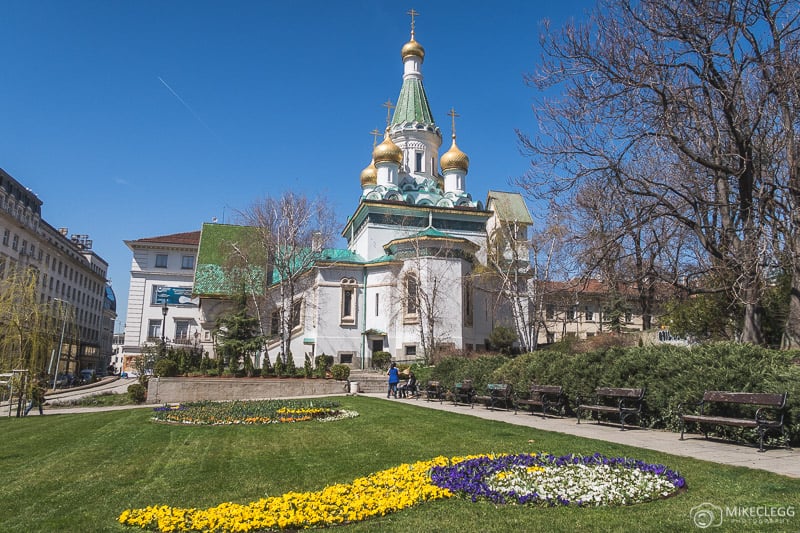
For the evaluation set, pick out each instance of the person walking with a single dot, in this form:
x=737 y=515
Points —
x=394 y=379
x=37 y=397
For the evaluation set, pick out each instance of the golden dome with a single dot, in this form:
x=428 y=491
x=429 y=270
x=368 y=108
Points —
x=412 y=48
x=454 y=159
x=369 y=176
x=387 y=151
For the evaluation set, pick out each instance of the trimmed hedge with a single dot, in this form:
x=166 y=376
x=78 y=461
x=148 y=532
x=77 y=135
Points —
x=671 y=374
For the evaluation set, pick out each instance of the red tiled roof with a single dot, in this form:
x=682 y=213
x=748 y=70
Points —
x=189 y=237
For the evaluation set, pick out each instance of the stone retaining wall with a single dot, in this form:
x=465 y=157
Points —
x=173 y=390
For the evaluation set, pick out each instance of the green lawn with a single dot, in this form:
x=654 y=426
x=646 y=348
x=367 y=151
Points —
x=78 y=472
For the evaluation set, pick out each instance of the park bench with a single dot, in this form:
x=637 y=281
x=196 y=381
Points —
x=721 y=408
x=464 y=392
x=622 y=402
x=545 y=397
x=434 y=391
x=499 y=395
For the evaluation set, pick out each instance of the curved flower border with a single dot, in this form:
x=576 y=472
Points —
x=249 y=412
x=380 y=493
x=483 y=478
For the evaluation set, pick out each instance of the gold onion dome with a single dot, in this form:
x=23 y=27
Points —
x=369 y=176
x=412 y=48
x=387 y=151
x=454 y=159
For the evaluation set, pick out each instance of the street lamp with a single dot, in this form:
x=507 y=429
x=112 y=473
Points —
x=164 y=310
x=61 y=341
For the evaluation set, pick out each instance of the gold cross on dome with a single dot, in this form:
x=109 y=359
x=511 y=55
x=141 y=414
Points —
x=413 y=13
x=452 y=114
x=375 y=134
x=389 y=106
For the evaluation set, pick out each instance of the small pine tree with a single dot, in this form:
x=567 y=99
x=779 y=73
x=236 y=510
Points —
x=237 y=336
x=291 y=369
x=307 y=367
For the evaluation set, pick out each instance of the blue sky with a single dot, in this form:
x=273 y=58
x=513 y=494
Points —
x=135 y=119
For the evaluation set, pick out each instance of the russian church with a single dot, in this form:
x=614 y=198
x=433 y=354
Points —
x=405 y=283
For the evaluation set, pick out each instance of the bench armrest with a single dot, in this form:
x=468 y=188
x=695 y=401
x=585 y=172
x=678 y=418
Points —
x=681 y=405
x=760 y=414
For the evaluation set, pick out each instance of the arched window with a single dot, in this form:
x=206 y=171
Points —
x=412 y=295
x=349 y=300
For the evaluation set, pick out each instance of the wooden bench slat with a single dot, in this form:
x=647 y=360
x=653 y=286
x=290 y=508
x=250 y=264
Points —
x=752 y=398
x=722 y=420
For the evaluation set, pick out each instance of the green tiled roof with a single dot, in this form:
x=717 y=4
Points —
x=412 y=104
x=219 y=273
x=509 y=206
x=341 y=255
x=217 y=265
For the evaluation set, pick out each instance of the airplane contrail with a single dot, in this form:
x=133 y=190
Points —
x=188 y=107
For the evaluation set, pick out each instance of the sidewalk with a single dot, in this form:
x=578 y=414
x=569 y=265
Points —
x=776 y=460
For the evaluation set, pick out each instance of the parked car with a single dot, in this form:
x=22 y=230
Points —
x=87 y=375
x=64 y=380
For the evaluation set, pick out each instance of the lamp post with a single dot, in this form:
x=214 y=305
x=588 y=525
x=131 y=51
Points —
x=61 y=341
x=164 y=310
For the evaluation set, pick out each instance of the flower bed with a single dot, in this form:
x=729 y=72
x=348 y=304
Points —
x=567 y=480
x=250 y=412
x=523 y=478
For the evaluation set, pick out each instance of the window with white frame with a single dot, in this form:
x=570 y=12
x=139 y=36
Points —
x=275 y=318
x=153 y=330
x=187 y=262
x=348 y=305
x=182 y=331
x=588 y=314
x=161 y=260
x=410 y=350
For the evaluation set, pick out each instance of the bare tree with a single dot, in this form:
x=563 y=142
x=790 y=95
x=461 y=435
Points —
x=434 y=286
x=293 y=232
x=684 y=83
x=517 y=272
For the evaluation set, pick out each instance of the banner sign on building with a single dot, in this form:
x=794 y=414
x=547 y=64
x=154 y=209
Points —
x=174 y=296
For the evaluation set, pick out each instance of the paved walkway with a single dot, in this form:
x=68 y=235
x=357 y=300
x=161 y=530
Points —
x=777 y=460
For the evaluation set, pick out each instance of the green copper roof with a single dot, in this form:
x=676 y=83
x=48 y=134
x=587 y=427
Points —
x=509 y=206
x=220 y=269
x=340 y=255
x=412 y=104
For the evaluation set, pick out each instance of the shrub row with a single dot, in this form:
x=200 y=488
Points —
x=671 y=374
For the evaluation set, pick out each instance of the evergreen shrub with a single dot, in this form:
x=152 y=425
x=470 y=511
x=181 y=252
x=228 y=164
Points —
x=137 y=393
x=381 y=360
x=340 y=372
x=671 y=374
x=165 y=368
